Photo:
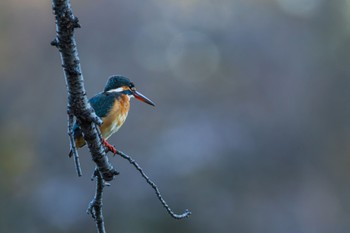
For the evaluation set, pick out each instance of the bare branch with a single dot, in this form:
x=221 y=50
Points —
x=185 y=214
x=78 y=104
x=95 y=206
x=72 y=144
x=78 y=108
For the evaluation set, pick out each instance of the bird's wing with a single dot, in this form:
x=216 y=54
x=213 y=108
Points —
x=102 y=104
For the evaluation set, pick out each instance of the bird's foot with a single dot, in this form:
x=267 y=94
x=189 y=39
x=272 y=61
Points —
x=110 y=147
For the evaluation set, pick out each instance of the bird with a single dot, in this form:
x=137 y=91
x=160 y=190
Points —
x=112 y=106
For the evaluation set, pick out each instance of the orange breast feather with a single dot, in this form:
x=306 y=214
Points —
x=116 y=118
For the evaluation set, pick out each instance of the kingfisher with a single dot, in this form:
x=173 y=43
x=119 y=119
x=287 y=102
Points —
x=112 y=106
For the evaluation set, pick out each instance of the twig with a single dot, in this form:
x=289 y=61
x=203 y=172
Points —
x=185 y=214
x=72 y=143
x=95 y=206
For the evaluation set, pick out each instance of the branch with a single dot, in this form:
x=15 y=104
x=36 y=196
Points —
x=95 y=206
x=72 y=143
x=79 y=108
x=185 y=214
x=78 y=104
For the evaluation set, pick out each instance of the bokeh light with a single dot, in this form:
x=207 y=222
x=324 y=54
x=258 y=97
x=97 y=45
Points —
x=192 y=56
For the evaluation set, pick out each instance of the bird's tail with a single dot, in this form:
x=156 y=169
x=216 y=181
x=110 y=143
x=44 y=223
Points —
x=70 y=153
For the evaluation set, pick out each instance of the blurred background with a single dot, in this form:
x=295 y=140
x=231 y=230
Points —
x=251 y=131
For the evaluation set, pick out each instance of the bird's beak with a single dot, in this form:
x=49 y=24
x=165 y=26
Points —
x=141 y=97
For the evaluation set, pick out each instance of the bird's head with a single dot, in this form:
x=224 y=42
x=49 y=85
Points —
x=123 y=85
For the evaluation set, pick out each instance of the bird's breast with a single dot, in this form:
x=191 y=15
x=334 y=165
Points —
x=116 y=116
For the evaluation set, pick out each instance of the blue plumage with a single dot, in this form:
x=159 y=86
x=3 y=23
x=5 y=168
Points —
x=103 y=102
